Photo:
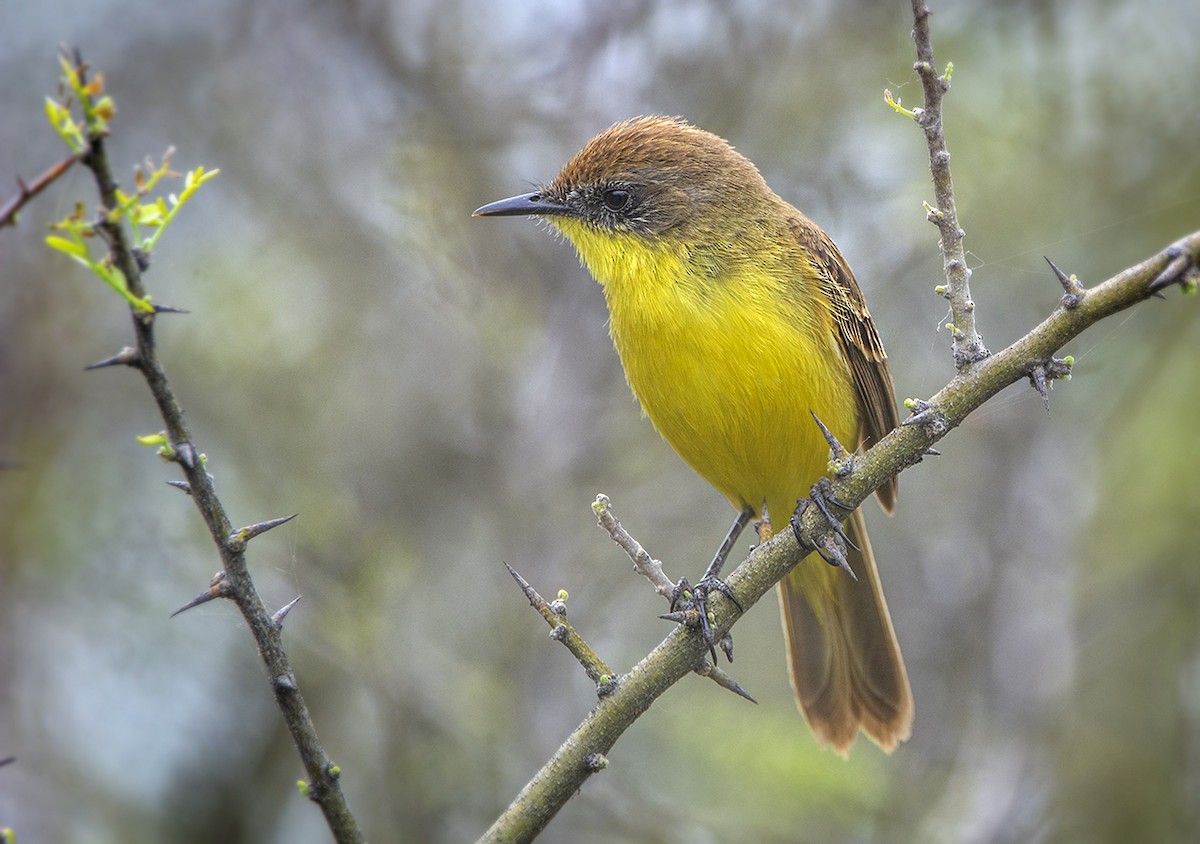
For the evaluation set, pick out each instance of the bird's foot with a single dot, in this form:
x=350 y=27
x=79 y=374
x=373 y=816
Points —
x=833 y=548
x=689 y=605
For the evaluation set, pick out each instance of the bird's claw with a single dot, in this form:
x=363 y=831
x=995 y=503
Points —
x=689 y=605
x=833 y=549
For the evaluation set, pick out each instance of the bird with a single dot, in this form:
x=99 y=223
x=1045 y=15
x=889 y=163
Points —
x=737 y=320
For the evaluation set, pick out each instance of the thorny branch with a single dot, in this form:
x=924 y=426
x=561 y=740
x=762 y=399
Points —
x=981 y=375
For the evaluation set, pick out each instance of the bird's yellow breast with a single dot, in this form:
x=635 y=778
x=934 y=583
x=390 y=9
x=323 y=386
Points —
x=728 y=355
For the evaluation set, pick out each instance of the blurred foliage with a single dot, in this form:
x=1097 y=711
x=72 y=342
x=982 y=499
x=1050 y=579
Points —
x=435 y=394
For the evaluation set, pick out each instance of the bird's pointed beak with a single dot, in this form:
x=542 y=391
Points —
x=526 y=205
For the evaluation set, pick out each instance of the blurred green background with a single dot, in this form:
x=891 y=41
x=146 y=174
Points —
x=435 y=394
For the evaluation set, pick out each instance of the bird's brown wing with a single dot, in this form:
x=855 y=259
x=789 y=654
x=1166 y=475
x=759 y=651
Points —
x=859 y=340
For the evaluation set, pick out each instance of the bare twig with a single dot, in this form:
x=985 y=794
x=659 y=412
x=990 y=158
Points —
x=27 y=191
x=561 y=630
x=966 y=343
x=643 y=563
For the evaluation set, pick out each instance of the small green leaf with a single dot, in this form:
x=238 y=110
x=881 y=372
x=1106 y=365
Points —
x=71 y=247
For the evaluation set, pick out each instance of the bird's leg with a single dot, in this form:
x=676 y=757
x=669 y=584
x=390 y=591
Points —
x=735 y=530
x=688 y=597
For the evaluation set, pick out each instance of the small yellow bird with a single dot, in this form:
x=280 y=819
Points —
x=737 y=319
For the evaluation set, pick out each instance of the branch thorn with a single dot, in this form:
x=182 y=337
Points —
x=238 y=539
x=1072 y=290
x=167 y=309
x=1176 y=272
x=722 y=679
x=840 y=460
x=218 y=588
x=128 y=356
x=281 y=613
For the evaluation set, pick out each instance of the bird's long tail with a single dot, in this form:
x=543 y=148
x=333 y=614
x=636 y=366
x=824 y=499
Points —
x=843 y=657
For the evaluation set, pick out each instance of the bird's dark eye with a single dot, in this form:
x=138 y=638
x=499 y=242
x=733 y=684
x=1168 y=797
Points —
x=616 y=199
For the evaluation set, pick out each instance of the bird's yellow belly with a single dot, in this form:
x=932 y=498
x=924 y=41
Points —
x=732 y=394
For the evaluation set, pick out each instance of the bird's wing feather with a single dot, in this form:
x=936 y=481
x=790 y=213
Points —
x=858 y=338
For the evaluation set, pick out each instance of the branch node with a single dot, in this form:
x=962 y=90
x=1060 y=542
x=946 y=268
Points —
x=594 y=762
x=1073 y=291
x=927 y=415
x=185 y=454
x=1043 y=375
x=607 y=684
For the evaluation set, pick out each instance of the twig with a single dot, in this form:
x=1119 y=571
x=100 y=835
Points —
x=966 y=344
x=26 y=192
x=322 y=787
x=643 y=563
x=561 y=630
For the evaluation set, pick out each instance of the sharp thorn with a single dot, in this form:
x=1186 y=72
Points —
x=736 y=688
x=839 y=560
x=202 y=598
x=281 y=613
x=182 y=485
x=1063 y=278
x=531 y=594
x=837 y=451
x=933 y=452
x=128 y=356
x=1072 y=290
x=522 y=582
x=685 y=617
x=718 y=676
x=7 y=760
x=1037 y=377
x=244 y=535
x=216 y=589
x=167 y=309
x=1172 y=273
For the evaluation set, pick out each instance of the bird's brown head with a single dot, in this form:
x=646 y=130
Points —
x=652 y=177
